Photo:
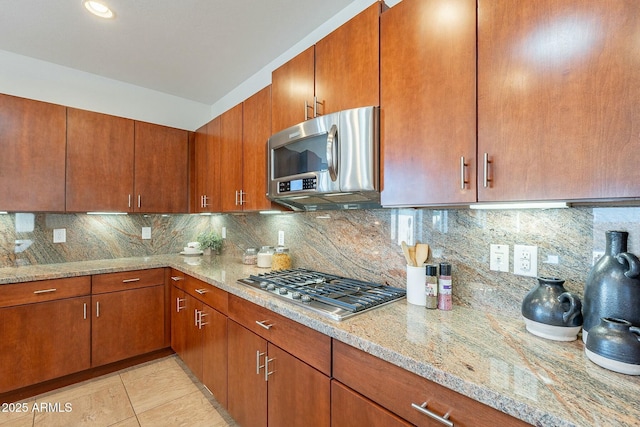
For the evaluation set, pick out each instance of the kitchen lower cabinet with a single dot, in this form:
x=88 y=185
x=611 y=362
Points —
x=350 y=409
x=46 y=331
x=279 y=370
x=128 y=315
x=199 y=331
x=409 y=396
x=33 y=146
x=428 y=103
x=558 y=90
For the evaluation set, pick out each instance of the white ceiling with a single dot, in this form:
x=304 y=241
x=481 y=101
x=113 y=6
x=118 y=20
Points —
x=194 y=49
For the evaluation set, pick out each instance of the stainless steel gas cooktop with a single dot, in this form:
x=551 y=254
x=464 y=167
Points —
x=333 y=296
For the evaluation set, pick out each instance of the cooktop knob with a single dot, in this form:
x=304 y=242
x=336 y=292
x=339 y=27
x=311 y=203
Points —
x=305 y=298
x=282 y=291
x=263 y=285
x=271 y=287
x=296 y=295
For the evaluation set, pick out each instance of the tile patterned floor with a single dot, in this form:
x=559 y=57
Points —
x=154 y=394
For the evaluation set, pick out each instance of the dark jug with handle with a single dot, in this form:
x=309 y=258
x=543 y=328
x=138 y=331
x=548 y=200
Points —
x=612 y=288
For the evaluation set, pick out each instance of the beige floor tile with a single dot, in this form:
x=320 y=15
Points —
x=98 y=407
x=153 y=390
x=17 y=414
x=192 y=410
x=150 y=368
x=74 y=391
x=129 y=422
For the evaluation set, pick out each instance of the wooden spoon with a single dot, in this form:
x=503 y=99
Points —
x=407 y=256
x=422 y=253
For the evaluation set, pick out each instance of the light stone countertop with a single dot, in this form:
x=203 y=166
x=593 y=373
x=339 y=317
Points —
x=486 y=357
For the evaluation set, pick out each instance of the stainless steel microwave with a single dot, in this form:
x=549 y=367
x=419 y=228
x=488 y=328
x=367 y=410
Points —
x=329 y=162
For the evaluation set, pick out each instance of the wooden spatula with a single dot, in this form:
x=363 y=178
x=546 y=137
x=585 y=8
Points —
x=422 y=253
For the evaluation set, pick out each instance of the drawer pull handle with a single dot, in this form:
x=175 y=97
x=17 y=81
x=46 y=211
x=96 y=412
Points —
x=137 y=279
x=177 y=278
x=263 y=323
x=201 y=291
x=45 y=291
x=178 y=306
x=258 y=365
x=200 y=322
x=266 y=367
x=423 y=409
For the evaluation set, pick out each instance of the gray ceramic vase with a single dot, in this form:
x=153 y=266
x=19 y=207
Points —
x=612 y=288
x=615 y=344
x=550 y=303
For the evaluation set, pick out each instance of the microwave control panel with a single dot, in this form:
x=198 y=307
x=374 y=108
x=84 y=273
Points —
x=298 y=185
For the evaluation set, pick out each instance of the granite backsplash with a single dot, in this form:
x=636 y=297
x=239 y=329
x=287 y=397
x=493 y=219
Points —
x=362 y=244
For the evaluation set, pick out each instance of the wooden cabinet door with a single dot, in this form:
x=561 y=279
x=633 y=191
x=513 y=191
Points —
x=558 y=90
x=428 y=103
x=99 y=162
x=347 y=64
x=214 y=353
x=247 y=389
x=206 y=168
x=44 y=341
x=192 y=354
x=298 y=394
x=126 y=324
x=179 y=321
x=292 y=84
x=32 y=143
x=350 y=409
x=256 y=130
x=231 y=159
x=161 y=169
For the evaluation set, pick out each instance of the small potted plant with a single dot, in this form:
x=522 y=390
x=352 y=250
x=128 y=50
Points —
x=210 y=241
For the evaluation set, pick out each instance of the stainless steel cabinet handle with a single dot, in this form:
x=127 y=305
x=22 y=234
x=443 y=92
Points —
x=258 y=365
x=201 y=314
x=129 y=202
x=237 y=203
x=242 y=194
x=463 y=166
x=201 y=291
x=315 y=106
x=195 y=317
x=84 y=311
x=263 y=323
x=306 y=109
x=266 y=367
x=44 y=291
x=423 y=409
x=137 y=279
x=177 y=278
x=178 y=307
x=486 y=170
x=97 y=308
x=139 y=201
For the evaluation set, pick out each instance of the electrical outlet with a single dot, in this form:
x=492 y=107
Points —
x=59 y=235
x=224 y=232
x=146 y=233
x=280 y=238
x=525 y=260
x=499 y=258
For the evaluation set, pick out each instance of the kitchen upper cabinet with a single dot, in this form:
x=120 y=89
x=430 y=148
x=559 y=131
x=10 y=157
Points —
x=558 y=90
x=46 y=331
x=161 y=169
x=128 y=315
x=428 y=103
x=206 y=168
x=32 y=142
x=340 y=72
x=99 y=162
x=231 y=192
x=256 y=130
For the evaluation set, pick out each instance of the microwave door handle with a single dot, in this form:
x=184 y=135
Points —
x=332 y=152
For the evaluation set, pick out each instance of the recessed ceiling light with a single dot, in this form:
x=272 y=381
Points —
x=98 y=8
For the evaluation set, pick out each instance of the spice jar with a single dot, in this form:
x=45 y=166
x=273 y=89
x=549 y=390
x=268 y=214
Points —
x=281 y=259
x=250 y=256
x=265 y=256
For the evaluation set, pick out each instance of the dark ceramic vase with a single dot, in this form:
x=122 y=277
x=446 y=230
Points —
x=612 y=288
x=550 y=303
x=615 y=344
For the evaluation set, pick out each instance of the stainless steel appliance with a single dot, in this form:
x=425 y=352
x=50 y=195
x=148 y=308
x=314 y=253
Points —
x=333 y=296
x=329 y=162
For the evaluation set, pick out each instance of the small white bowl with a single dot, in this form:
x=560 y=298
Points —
x=612 y=365
x=550 y=332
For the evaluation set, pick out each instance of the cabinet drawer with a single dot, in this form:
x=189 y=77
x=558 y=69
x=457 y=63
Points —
x=209 y=294
x=44 y=290
x=178 y=278
x=396 y=389
x=306 y=344
x=112 y=282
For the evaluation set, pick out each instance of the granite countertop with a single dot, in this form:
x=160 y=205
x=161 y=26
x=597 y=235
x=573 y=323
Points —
x=487 y=357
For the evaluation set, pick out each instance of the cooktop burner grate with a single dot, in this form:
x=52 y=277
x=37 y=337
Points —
x=331 y=295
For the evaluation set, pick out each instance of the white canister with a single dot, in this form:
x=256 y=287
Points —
x=416 y=289
x=265 y=256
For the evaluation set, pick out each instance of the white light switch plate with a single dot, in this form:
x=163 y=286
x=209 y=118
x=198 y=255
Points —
x=146 y=233
x=499 y=258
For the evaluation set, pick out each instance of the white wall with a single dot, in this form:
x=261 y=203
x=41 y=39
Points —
x=35 y=79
